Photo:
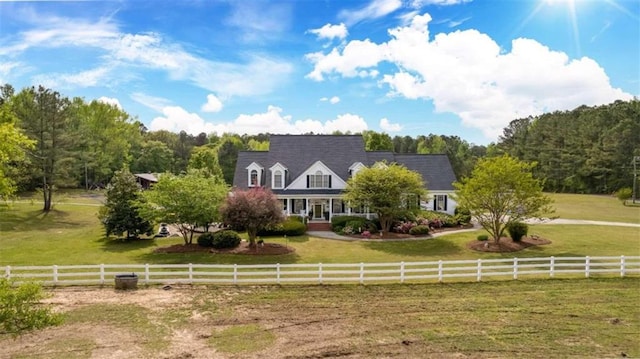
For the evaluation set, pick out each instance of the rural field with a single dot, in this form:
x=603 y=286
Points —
x=533 y=318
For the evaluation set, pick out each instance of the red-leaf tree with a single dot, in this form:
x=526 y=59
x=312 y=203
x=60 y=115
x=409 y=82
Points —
x=253 y=210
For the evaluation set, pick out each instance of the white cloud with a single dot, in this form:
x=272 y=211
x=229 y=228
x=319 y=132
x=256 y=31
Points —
x=176 y=119
x=330 y=32
x=111 y=101
x=89 y=78
x=468 y=74
x=121 y=52
x=375 y=9
x=387 y=126
x=155 y=103
x=213 y=104
x=333 y=100
x=258 y=21
x=420 y=3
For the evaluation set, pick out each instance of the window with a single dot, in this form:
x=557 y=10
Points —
x=319 y=180
x=277 y=179
x=440 y=202
x=254 y=178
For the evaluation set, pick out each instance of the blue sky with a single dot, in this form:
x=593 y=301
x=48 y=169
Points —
x=404 y=67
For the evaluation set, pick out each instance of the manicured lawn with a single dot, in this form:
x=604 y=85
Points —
x=594 y=208
x=72 y=235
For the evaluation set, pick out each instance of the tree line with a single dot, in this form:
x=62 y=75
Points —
x=50 y=141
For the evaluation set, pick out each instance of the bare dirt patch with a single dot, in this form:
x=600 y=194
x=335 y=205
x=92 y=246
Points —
x=243 y=248
x=506 y=244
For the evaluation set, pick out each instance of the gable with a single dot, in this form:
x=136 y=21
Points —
x=301 y=181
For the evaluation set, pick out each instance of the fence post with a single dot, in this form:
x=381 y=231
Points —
x=440 y=271
x=190 y=273
x=587 y=263
x=235 y=274
x=7 y=272
x=102 y=274
x=278 y=273
x=552 y=263
x=146 y=273
x=55 y=274
x=361 y=273
x=479 y=274
x=320 y=273
x=402 y=272
x=622 y=266
x=515 y=267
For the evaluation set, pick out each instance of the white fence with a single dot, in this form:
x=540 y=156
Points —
x=321 y=273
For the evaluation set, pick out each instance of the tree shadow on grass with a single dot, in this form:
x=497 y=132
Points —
x=121 y=246
x=36 y=220
x=428 y=247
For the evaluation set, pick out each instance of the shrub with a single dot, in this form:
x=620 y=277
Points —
x=205 y=240
x=443 y=219
x=21 y=310
x=517 y=230
x=357 y=223
x=483 y=237
x=403 y=227
x=624 y=194
x=290 y=227
x=419 y=230
x=296 y=218
x=225 y=239
x=462 y=215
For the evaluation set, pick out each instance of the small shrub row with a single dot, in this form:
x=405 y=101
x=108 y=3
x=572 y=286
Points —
x=352 y=225
x=220 y=239
x=419 y=230
x=292 y=226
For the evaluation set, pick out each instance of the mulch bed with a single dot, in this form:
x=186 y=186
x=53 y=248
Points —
x=506 y=244
x=243 y=248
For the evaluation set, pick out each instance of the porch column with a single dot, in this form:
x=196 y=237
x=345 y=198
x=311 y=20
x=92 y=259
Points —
x=330 y=208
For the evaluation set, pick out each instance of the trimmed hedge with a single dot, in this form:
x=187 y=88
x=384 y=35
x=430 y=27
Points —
x=358 y=224
x=205 y=240
x=517 y=230
x=225 y=239
x=292 y=226
x=419 y=230
x=483 y=237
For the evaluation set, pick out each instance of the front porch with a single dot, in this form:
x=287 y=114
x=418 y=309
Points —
x=318 y=209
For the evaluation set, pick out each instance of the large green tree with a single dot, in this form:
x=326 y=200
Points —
x=502 y=190
x=388 y=190
x=186 y=201
x=121 y=210
x=254 y=209
x=45 y=117
x=13 y=144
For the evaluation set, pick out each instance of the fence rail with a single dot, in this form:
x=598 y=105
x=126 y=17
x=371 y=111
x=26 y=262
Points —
x=321 y=273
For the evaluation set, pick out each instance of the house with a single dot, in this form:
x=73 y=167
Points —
x=146 y=180
x=309 y=173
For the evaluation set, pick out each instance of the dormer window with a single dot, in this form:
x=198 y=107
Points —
x=277 y=179
x=278 y=176
x=254 y=175
x=355 y=168
x=254 y=179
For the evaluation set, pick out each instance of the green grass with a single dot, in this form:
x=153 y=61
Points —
x=72 y=234
x=241 y=339
x=594 y=208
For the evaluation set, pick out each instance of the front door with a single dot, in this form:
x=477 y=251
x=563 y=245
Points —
x=317 y=211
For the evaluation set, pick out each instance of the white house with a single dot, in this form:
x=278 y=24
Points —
x=309 y=173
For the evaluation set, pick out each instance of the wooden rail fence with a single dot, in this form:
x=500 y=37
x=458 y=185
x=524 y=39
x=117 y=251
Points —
x=322 y=273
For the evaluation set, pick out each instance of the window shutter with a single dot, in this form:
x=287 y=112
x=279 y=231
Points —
x=445 y=202
x=435 y=204
x=307 y=181
x=329 y=181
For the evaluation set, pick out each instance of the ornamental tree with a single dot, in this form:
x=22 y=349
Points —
x=501 y=191
x=388 y=190
x=254 y=209
x=121 y=210
x=186 y=201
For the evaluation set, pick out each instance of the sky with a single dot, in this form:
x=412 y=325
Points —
x=404 y=67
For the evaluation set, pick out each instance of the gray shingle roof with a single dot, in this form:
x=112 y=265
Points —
x=298 y=152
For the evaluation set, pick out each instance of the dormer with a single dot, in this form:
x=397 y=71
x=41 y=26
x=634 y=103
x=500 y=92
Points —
x=355 y=168
x=254 y=175
x=278 y=176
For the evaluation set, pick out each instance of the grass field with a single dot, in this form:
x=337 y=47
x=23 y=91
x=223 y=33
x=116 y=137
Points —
x=71 y=234
x=581 y=318
x=594 y=208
